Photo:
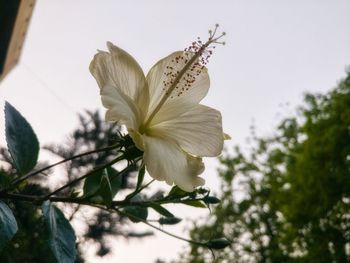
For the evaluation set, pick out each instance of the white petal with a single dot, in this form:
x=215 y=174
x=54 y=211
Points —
x=119 y=69
x=198 y=131
x=120 y=107
x=165 y=161
x=177 y=103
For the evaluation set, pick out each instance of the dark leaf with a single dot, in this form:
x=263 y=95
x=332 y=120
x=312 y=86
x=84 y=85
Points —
x=136 y=212
x=169 y=220
x=92 y=183
x=115 y=179
x=21 y=140
x=105 y=183
x=161 y=210
x=219 y=243
x=8 y=224
x=62 y=237
x=195 y=203
x=176 y=192
x=105 y=189
x=211 y=200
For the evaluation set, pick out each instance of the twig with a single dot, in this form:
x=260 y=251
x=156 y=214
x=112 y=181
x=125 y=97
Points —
x=25 y=177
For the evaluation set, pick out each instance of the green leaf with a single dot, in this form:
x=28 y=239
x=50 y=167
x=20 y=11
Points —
x=176 y=192
x=8 y=224
x=136 y=212
x=105 y=189
x=161 y=210
x=105 y=184
x=195 y=203
x=202 y=190
x=211 y=200
x=92 y=183
x=169 y=220
x=62 y=237
x=115 y=179
x=21 y=140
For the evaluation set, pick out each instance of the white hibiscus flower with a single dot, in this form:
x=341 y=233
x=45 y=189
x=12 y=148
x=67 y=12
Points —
x=161 y=110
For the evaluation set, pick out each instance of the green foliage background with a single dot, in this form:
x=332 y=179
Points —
x=296 y=191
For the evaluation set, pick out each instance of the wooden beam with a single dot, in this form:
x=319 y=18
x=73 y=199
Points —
x=14 y=19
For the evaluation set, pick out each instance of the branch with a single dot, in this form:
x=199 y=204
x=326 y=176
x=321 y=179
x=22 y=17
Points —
x=101 y=167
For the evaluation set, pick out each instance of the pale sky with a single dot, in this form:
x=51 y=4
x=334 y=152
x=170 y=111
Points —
x=276 y=50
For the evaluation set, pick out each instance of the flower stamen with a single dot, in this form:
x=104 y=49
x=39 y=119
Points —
x=194 y=58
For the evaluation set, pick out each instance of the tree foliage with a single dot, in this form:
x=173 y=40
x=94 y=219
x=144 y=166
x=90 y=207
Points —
x=288 y=199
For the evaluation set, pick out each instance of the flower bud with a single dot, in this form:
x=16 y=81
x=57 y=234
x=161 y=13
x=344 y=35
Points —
x=219 y=243
x=169 y=220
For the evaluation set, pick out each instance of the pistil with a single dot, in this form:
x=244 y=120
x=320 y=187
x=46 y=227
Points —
x=197 y=60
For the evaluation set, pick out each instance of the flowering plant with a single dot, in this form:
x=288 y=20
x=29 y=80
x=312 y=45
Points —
x=169 y=133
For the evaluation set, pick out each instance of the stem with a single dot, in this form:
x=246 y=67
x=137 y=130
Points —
x=83 y=177
x=82 y=201
x=25 y=177
x=76 y=209
x=38 y=199
x=145 y=186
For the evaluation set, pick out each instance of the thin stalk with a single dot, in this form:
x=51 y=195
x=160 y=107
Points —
x=25 y=177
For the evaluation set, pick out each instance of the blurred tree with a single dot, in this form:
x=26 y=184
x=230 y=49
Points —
x=30 y=243
x=288 y=200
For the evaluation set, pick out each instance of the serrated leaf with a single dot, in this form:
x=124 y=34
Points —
x=161 y=210
x=195 y=203
x=8 y=225
x=21 y=140
x=61 y=234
